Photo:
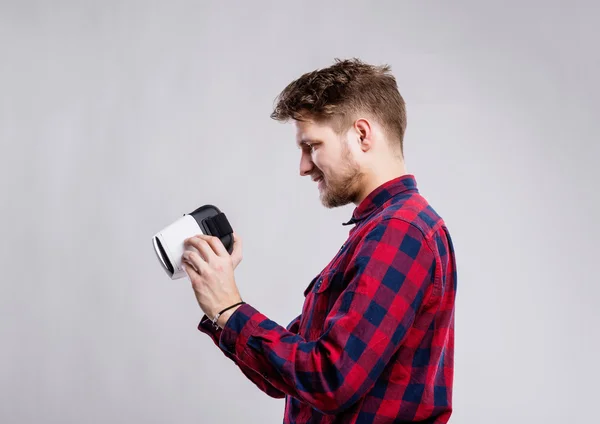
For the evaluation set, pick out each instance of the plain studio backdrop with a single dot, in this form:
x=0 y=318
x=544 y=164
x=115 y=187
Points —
x=116 y=118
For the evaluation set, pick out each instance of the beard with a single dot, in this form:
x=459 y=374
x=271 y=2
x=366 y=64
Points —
x=344 y=187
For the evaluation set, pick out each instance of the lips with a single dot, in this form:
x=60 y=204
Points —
x=320 y=183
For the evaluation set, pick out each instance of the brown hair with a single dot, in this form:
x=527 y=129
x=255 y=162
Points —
x=338 y=93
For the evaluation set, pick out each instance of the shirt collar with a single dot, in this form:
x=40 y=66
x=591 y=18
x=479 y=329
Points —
x=382 y=194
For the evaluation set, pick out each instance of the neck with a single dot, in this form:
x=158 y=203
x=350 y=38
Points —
x=378 y=176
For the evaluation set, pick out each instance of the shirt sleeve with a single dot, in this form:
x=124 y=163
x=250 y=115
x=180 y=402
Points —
x=254 y=376
x=386 y=283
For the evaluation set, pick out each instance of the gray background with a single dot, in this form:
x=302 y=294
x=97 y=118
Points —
x=118 y=117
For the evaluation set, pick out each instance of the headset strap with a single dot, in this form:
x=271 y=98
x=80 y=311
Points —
x=218 y=225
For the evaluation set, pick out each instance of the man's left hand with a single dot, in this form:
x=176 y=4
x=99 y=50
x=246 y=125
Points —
x=211 y=271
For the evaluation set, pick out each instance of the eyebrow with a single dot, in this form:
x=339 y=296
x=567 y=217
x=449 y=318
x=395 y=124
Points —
x=306 y=141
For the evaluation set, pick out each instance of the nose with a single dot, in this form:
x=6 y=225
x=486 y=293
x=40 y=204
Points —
x=306 y=164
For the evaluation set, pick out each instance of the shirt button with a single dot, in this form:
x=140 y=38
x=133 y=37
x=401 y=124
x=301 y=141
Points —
x=319 y=283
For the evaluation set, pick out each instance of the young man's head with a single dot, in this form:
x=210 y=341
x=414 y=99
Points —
x=350 y=121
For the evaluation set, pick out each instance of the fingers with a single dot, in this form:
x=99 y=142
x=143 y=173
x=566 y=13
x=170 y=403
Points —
x=189 y=270
x=194 y=261
x=216 y=244
x=200 y=242
x=211 y=248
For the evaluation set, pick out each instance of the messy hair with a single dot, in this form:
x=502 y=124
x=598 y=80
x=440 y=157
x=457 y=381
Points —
x=339 y=93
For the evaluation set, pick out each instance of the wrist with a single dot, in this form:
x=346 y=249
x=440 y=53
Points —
x=224 y=317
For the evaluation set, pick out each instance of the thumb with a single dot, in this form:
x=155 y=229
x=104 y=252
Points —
x=236 y=253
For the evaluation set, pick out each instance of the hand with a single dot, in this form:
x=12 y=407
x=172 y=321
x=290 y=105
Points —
x=236 y=253
x=211 y=271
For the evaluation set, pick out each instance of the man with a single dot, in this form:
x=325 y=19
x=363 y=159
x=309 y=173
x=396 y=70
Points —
x=375 y=340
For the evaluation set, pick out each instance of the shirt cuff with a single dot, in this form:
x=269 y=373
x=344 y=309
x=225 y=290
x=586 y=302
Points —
x=238 y=328
x=206 y=326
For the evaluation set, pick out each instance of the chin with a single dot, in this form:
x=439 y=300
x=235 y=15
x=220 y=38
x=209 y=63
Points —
x=330 y=203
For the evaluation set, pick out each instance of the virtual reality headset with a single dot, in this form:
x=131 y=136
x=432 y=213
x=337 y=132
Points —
x=168 y=243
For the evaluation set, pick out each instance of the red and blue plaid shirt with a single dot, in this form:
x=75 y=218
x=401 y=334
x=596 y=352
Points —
x=375 y=340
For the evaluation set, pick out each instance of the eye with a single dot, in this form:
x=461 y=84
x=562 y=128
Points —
x=307 y=147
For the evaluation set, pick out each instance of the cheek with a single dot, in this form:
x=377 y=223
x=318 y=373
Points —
x=322 y=167
x=316 y=160
x=324 y=164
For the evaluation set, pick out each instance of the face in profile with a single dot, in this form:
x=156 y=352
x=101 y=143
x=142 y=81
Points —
x=329 y=161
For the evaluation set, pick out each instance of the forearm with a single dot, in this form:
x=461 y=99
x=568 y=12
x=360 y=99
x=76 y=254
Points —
x=254 y=376
x=315 y=372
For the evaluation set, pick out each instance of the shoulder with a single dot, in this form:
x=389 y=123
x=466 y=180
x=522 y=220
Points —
x=415 y=211
x=410 y=224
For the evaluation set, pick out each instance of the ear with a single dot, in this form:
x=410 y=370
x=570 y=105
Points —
x=364 y=133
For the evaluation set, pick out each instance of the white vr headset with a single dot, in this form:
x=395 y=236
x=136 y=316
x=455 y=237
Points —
x=168 y=243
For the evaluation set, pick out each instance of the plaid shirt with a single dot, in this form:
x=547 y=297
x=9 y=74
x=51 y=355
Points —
x=375 y=340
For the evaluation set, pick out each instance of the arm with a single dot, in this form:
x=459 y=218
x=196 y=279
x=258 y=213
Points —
x=255 y=377
x=389 y=278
